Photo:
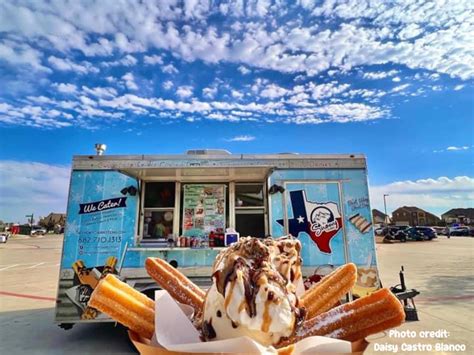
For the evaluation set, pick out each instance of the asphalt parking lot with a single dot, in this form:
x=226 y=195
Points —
x=442 y=270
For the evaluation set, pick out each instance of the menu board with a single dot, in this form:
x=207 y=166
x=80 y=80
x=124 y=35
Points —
x=203 y=209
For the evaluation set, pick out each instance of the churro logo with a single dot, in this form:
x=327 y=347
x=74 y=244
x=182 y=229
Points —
x=321 y=221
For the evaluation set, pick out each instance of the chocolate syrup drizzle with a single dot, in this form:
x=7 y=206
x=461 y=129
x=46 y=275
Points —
x=208 y=331
x=252 y=257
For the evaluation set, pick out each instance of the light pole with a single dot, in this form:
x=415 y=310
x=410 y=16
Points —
x=385 y=207
x=30 y=217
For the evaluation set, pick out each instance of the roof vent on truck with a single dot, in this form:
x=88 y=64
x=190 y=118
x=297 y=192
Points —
x=100 y=148
x=207 y=152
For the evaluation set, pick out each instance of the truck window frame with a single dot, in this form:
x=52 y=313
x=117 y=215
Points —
x=143 y=209
x=231 y=209
x=256 y=210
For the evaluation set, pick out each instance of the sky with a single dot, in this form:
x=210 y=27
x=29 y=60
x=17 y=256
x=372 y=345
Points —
x=391 y=80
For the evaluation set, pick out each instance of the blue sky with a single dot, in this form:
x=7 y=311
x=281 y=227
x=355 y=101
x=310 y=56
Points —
x=392 y=81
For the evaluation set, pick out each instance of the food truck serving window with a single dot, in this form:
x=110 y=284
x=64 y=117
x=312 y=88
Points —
x=159 y=203
x=201 y=211
x=250 y=209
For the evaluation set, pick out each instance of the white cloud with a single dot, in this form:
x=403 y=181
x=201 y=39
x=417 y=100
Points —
x=64 y=64
x=89 y=111
x=127 y=61
x=102 y=92
x=34 y=115
x=379 y=75
x=433 y=194
x=454 y=148
x=65 y=88
x=153 y=59
x=351 y=112
x=21 y=54
x=400 y=88
x=32 y=187
x=327 y=90
x=273 y=91
x=244 y=70
x=168 y=85
x=169 y=69
x=327 y=104
x=432 y=36
x=237 y=94
x=126 y=46
x=396 y=79
x=243 y=138
x=184 y=91
x=209 y=92
x=410 y=31
x=458 y=87
x=87 y=101
x=218 y=116
x=341 y=113
x=130 y=81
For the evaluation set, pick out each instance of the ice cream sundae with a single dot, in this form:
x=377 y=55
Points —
x=254 y=291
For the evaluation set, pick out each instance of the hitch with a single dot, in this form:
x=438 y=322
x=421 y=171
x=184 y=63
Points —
x=406 y=296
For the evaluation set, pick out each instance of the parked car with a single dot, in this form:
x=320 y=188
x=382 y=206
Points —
x=38 y=230
x=4 y=237
x=413 y=234
x=401 y=236
x=459 y=232
x=387 y=230
x=429 y=232
x=394 y=233
x=419 y=233
x=440 y=230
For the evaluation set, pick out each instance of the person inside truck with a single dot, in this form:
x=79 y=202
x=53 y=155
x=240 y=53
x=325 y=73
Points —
x=160 y=229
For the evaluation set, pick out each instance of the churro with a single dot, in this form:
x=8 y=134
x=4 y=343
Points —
x=86 y=276
x=178 y=285
x=323 y=295
x=124 y=304
x=360 y=223
x=355 y=320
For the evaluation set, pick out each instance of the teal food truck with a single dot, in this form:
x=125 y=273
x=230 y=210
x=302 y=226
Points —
x=185 y=208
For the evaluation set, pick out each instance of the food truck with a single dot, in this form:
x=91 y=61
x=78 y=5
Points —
x=185 y=208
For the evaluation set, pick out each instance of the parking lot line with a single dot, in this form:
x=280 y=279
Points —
x=35 y=265
x=9 y=267
x=13 y=294
x=17 y=264
x=24 y=266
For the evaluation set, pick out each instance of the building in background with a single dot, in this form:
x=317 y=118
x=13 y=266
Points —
x=414 y=216
x=380 y=217
x=459 y=215
x=53 y=221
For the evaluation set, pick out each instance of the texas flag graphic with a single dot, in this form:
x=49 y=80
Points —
x=321 y=221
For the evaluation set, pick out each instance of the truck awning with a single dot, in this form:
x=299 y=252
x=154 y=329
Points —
x=199 y=174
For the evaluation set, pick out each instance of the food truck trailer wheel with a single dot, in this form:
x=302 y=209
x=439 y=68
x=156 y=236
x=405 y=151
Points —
x=66 y=326
x=150 y=292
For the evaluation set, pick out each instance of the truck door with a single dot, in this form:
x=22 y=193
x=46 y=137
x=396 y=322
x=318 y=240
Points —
x=328 y=210
x=100 y=225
